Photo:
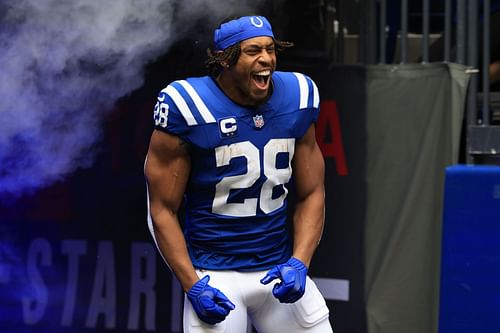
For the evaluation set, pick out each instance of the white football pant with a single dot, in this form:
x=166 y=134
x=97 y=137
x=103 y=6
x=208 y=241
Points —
x=256 y=305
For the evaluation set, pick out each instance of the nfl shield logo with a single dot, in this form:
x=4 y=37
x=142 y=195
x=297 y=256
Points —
x=258 y=121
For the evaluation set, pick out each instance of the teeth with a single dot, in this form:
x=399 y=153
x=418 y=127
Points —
x=264 y=73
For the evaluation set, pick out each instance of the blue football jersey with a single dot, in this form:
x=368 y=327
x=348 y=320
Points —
x=235 y=200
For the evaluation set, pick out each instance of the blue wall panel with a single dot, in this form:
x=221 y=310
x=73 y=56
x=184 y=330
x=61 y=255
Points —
x=470 y=267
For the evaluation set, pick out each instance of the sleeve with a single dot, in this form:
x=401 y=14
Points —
x=309 y=103
x=313 y=98
x=167 y=115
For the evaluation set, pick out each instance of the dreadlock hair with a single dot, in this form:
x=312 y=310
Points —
x=231 y=54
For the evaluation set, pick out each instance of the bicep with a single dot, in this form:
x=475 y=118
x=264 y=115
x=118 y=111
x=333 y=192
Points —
x=308 y=165
x=167 y=171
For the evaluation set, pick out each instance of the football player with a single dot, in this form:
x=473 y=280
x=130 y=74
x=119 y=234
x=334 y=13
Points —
x=230 y=144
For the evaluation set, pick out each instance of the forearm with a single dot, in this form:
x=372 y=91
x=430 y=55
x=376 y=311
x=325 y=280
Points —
x=308 y=221
x=172 y=245
x=167 y=171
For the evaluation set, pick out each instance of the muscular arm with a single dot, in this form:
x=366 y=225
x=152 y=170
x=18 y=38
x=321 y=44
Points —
x=167 y=170
x=308 y=219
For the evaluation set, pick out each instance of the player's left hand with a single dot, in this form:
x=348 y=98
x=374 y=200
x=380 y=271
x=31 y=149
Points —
x=293 y=275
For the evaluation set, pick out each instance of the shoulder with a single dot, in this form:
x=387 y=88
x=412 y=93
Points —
x=180 y=92
x=182 y=105
x=188 y=99
x=291 y=78
x=300 y=85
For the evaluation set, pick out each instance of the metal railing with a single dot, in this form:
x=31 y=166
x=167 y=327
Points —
x=459 y=29
x=461 y=43
x=460 y=35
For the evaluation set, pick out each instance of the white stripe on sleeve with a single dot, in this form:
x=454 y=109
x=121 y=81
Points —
x=181 y=105
x=304 y=90
x=200 y=105
x=315 y=95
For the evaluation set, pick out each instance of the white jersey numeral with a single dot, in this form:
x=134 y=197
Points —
x=161 y=114
x=223 y=156
x=274 y=177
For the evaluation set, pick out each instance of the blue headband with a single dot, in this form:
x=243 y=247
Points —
x=245 y=27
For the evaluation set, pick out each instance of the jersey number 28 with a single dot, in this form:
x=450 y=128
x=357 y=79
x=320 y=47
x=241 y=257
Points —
x=274 y=177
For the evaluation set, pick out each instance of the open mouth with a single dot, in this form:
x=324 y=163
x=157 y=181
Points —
x=261 y=79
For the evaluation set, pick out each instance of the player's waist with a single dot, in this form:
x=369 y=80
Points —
x=247 y=260
x=232 y=243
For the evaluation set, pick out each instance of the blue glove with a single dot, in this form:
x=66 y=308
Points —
x=293 y=280
x=209 y=303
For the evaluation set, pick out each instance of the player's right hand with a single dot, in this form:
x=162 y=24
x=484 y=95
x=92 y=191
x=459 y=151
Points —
x=209 y=303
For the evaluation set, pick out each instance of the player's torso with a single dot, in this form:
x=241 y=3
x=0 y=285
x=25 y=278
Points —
x=240 y=164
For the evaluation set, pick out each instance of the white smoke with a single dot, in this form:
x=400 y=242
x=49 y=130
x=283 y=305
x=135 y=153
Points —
x=63 y=66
